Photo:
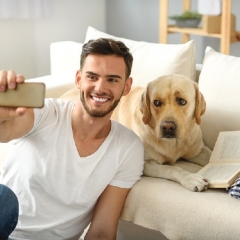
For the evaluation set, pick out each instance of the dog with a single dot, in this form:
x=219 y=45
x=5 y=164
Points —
x=166 y=116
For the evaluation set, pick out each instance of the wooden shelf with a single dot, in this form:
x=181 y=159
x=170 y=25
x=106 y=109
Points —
x=196 y=31
x=226 y=36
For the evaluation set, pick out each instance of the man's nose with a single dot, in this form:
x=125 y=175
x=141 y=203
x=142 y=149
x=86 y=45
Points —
x=100 y=85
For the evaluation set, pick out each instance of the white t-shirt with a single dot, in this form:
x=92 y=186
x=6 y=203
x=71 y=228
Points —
x=56 y=188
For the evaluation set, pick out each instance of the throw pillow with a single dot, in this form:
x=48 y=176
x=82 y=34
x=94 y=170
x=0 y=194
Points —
x=65 y=56
x=219 y=83
x=152 y=60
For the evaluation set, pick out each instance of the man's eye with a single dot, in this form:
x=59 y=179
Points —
x=181 y=101
x=157 y=103
x=112 y=80
x=91 y=77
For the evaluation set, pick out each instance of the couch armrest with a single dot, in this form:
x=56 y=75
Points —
x=57 y=84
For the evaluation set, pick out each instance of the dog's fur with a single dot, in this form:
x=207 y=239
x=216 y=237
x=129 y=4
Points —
x=166 y=116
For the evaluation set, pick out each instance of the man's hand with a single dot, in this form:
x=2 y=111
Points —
x=10 y=80
x=14 y=122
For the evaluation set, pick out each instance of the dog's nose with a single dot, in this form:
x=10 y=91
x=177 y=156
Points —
x=168 y=129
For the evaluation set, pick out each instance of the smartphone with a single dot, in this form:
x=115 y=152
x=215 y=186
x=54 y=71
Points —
x=27 y=94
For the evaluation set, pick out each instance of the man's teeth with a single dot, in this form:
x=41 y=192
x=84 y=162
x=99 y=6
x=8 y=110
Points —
x=99 y=99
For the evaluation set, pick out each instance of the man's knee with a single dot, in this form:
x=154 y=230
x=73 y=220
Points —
x=8 y=211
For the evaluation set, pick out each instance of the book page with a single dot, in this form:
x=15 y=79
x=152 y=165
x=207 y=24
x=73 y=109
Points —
x=218 y=173
x=227 y=147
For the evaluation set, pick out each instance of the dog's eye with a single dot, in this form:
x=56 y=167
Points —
x=181 y=101
x=157 y=103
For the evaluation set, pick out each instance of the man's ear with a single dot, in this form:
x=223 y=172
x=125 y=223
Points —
x=78 y=78
x=128 y=85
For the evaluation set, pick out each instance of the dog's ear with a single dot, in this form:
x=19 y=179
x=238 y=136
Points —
x=200 y=105
x=145 y=106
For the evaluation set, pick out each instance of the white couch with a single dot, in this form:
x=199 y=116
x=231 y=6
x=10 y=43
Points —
x=159 y=208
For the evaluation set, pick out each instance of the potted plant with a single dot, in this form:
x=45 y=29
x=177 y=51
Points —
x=187 y=20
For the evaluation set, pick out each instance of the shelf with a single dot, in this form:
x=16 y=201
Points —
x=235 y=36
x=197 y=31
x=227 y=33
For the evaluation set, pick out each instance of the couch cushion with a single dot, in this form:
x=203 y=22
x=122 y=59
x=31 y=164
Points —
x=152 y=60
x=219 y=82
x=178 y=213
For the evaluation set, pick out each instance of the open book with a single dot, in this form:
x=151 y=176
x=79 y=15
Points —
x=224 y=164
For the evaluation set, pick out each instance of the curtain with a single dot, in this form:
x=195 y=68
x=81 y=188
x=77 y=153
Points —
x=25 y=9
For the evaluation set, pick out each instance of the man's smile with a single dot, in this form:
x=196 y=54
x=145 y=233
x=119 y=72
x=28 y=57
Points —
x=97 y=99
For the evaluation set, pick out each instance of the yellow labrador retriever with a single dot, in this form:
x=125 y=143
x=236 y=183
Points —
x=166 y=116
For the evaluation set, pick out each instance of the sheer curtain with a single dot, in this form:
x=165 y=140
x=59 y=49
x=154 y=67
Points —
x=25 y=9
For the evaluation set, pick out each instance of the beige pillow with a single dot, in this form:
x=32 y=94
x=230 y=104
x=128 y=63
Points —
x=219 y=82
x=152 y=60
x=65 y=57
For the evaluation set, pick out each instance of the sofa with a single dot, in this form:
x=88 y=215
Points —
x=158 y=208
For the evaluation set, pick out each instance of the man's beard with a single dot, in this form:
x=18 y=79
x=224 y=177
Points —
x=96 y=113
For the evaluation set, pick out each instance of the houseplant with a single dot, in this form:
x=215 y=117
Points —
x=187 y=20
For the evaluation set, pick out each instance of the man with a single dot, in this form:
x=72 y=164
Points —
x=69 y=164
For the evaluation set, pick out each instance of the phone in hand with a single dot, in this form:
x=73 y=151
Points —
x=27 y=94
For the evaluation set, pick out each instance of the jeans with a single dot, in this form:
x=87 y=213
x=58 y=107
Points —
x=8 y=212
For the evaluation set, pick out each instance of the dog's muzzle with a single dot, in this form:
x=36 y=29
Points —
x=168 y=129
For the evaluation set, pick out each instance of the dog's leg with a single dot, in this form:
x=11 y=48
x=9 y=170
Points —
x=191 y=181
x=202 y=158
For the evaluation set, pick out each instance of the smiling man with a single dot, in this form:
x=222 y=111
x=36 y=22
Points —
x=70 y=164
x=97 y=83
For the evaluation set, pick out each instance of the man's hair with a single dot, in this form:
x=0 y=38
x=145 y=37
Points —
x=107 y=46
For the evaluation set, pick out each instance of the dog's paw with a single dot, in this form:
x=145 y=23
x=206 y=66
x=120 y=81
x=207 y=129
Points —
x=194 y=182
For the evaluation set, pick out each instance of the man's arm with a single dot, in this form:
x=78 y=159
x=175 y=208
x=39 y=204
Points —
x=14 y=122
x=106 y=214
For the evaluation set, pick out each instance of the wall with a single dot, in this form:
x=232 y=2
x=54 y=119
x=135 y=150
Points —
x=134 y=19
x=24 y=44
x=69 y=23
x=17 y=50
x=139 y=20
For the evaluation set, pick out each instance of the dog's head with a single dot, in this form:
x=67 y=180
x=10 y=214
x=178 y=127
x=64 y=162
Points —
x=171 y=105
